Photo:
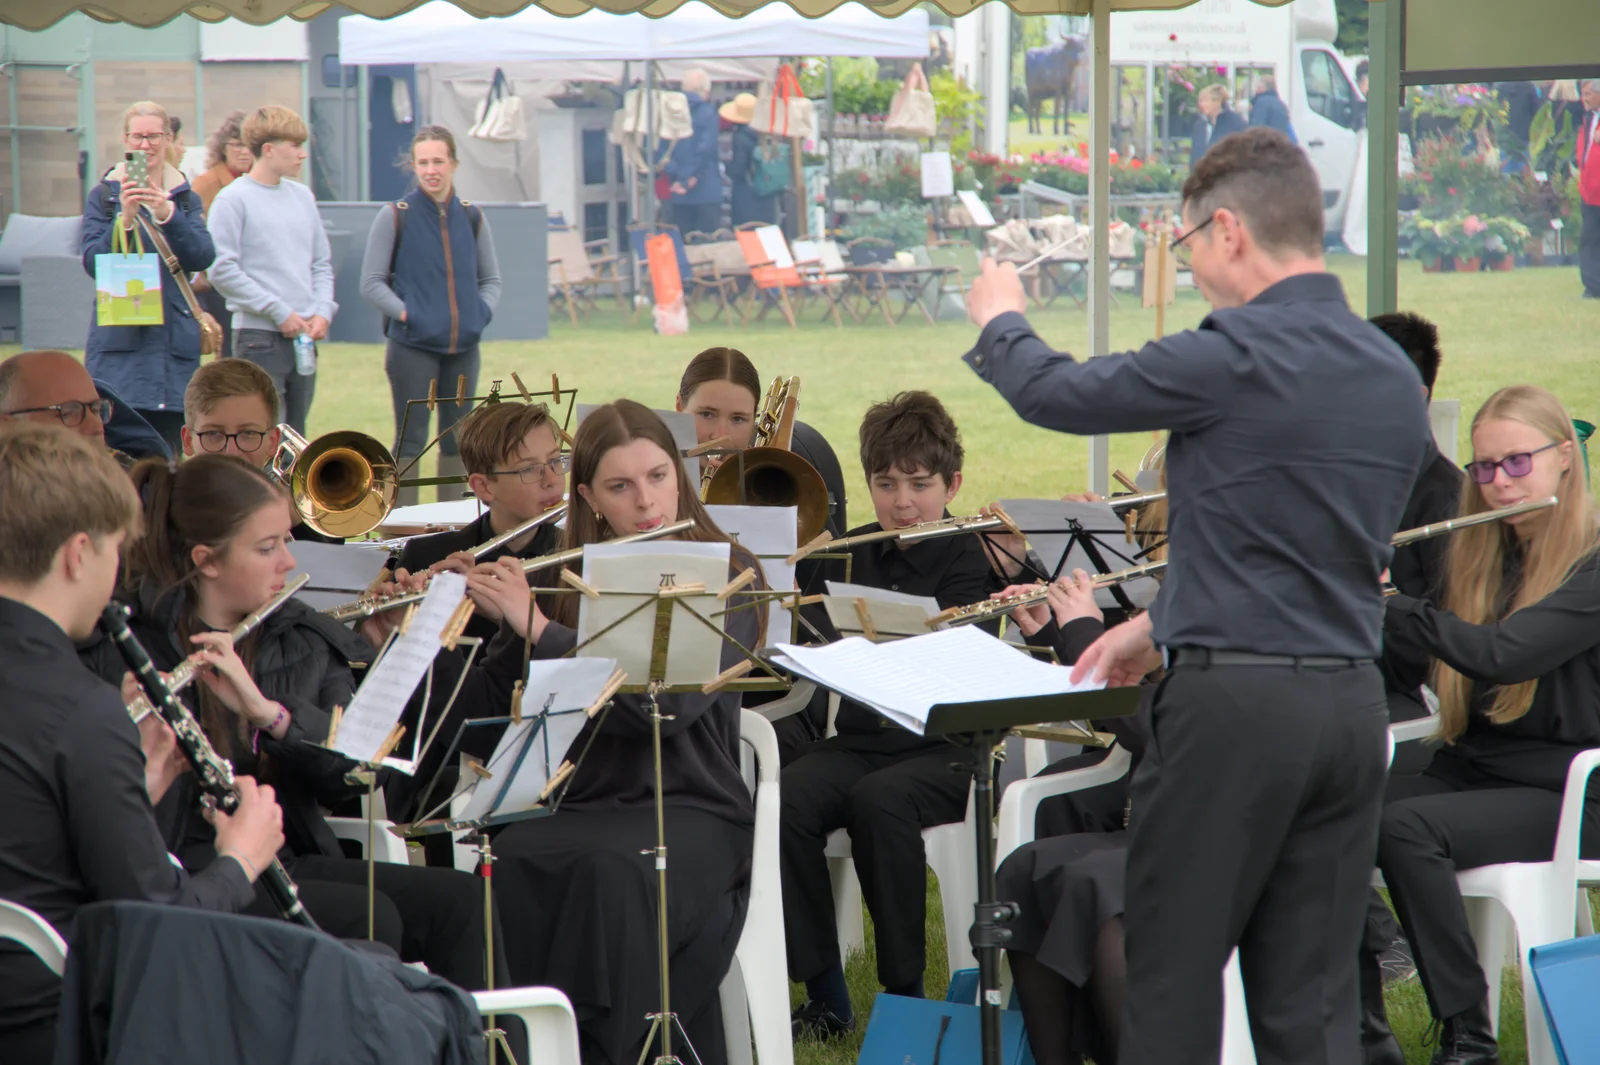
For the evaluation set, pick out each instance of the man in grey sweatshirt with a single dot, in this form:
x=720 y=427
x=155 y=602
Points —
x=273 y=265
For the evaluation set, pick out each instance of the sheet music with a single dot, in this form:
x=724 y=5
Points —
x=892 y=613
x=447 y=513
x=905 y=679
x=623 y=631
x=557 y=693
x=679 y=423
x=772 y=533
x=382 y=697
x=339 y=572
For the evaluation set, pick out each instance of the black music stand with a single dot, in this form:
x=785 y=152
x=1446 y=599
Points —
x=983 y=726
x=1058 y=530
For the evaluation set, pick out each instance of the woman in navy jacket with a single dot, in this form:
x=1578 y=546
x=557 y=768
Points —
x=149 y=366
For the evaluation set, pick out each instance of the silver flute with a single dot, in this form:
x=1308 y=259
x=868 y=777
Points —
x=367 y=606
x=186 y=671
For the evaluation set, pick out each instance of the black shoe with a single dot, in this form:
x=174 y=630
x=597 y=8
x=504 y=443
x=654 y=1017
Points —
x=1467 y=1039
x=815 y=1021
x=1378 y=1044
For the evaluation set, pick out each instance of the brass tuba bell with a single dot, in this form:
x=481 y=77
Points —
x=341 y=484
x=769 y=474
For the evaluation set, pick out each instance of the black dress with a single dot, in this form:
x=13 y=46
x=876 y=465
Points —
x=578 y=898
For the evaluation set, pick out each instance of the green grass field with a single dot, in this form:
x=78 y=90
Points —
x=1496 y=329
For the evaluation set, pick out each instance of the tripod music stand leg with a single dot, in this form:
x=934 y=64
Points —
x=990 y=931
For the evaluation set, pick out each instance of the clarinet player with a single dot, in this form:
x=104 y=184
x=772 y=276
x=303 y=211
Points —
x=78 y=779
x=1297 y=431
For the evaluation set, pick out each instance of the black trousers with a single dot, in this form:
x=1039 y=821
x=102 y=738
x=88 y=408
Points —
x=885 y=800
x=213 y=303
x=1255 y=816
x=434 y=916
x=1448 y=819
x=1589 y=251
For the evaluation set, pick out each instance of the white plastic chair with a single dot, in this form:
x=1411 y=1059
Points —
x=545 y=1012
x=755 y=993
x=950 y=852
x=388 y=846
x=1539 y=901
x=26 y=927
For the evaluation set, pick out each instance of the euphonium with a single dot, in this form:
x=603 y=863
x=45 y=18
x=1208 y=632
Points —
x=768 y=473
x=181 y=677
x=341 y=484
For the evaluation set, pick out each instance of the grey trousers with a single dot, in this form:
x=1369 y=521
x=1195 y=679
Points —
x=410 y=369
x=274 y=353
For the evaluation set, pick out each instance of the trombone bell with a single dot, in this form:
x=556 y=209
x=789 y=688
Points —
x=341 y=484
x=773 y=477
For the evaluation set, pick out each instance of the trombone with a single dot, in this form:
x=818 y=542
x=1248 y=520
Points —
x=988 y=609
x=768 y=473
x=341 y=484
x=367 y=606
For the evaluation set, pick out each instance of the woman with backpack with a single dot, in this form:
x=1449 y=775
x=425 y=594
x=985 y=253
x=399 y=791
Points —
x=752 y=200
x=437 y=298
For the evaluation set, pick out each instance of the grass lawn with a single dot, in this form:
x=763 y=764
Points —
x=1496 y=329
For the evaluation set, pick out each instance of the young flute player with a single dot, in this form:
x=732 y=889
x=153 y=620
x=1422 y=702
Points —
x=880 y=781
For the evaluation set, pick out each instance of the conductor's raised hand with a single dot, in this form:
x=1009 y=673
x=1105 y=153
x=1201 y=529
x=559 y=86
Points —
x=996 y=290
x=1121 y=657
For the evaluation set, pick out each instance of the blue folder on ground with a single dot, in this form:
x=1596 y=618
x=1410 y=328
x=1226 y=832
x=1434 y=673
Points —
x=1568 y=975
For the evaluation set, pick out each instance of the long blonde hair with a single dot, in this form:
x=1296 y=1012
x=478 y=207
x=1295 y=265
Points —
x=1474 y=570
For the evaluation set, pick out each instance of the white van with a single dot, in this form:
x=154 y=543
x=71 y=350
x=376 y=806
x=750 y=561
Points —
x=1294 y=43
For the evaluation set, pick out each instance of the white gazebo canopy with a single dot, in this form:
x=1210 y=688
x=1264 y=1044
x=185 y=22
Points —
x=441 y=32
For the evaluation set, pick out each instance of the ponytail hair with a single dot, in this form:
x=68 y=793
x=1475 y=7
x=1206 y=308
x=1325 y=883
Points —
x=203 y=502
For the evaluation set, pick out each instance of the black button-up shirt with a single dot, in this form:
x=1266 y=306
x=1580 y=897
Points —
x=1418 y=568
x=78 y=827
x=1297 y=431
x=952 y=569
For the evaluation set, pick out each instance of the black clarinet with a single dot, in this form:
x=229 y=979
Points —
x=215 y=773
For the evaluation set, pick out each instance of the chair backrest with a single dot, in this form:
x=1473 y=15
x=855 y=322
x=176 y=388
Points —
x=571 y=257
x=724 y=256
x=869 y=251
x=547 y=1014
x=830 y=255
x=763 y=245
x=26 y=927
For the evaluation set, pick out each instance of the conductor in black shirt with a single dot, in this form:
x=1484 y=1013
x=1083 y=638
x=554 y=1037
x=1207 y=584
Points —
x=1297 y=432
x=77 y=776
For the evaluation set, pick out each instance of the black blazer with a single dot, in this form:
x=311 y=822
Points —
x=1205 y=134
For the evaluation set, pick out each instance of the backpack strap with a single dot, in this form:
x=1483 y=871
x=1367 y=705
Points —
x=475 y=213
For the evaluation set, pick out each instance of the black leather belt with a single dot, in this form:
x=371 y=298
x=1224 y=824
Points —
x=1205 y=656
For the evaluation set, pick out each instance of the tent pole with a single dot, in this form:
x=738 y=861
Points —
x=650 y=143
x=1100 y=223
x=1149 y=108
x=827 y=196
x=1383 y=155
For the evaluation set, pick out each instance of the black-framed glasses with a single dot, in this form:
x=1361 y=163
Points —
x=1185 y=251
x=72 y=411
x=145 y=138
x=246 y=440
x=1518 y=465
x=534 y=472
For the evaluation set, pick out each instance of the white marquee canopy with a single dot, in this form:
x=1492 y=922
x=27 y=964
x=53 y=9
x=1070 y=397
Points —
x=440 y=32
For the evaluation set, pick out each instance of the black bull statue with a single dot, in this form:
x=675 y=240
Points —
x=1050 y=71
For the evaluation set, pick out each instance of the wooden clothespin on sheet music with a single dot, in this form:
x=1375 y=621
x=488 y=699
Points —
x=433 y=394
x=817 y=543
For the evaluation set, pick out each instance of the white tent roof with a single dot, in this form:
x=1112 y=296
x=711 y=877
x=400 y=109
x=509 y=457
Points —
x=440 y=32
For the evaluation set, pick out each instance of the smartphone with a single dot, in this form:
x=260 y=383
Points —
x=137 y=168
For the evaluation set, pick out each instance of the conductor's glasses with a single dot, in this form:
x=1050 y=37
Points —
x=1180 y=246
x=1518 y=465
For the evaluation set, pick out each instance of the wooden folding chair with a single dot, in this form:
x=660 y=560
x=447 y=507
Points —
x=868 y=257
x=772 y=269
x=715 y=271
x=822 y=268
x=574 y=277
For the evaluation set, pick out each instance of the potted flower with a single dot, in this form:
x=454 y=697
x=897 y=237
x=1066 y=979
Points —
x=1505 y=240
x=1471 y=236
x=1431 y=241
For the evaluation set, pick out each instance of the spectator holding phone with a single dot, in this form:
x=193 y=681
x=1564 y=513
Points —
x=149 y=366
x=274 y=265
